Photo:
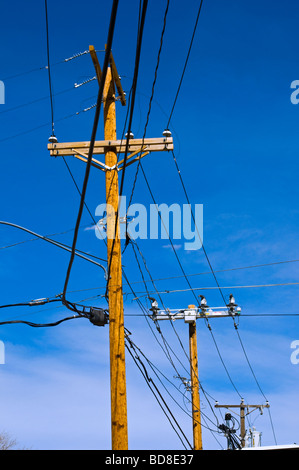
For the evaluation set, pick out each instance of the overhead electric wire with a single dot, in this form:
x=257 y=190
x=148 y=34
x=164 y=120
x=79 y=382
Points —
x=189 y=50
x=185 y=191
x=188 y=282
x=150 y=381
x=178 y=277
x=67 y=278
x=45 y=67
x=92 y=141
x=49 y=70
x=166 y=345
x=173 y=291
x=182 y=76
x=134 y=244
x=48 y=237
x=132 y=104
x=164 y=341
x=32 y=303
x=53 y=242
x=28 y=131
x=157 y=325
x=39 y=325
x=152 y=95
x=186 y=62
x=80 y=193
x=6 y=110
x=214 y=275
x=157 y=372
x=262 y=314
x=218 y=286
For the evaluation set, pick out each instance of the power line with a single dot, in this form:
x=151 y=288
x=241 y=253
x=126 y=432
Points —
x=92 y=141
x=220 y=289
x=180 y=264
x=36 y=302
x=168 y=347
x=132 y=103
x=242 y=315
x=150 y=381
x=172 y=324
x=45 y=67
x=34 y=101
x=173 y=291
x=155 y=368
x=187 y=58
x=49 y=70
x=40 y=325
x=53 y=242
x=80 y=193
x=46 y=124
x=218 y=286
x=186 y=62
x=181 y=276
x=152 y=95
x=188 y=201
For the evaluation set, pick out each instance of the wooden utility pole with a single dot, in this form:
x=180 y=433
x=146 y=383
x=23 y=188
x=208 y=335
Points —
x=110 y=148
x=243 y=413
x=196 y=418
x=119 y=430
x=190 y=315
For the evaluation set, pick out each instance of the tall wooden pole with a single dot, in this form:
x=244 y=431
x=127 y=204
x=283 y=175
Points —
x=242 y=423
x=119 y=429
x=196 y=419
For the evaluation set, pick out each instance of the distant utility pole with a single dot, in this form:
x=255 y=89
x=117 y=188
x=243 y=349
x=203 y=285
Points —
x=244 y=411
x=110 y=148
x=196 y=418
x=190 y=315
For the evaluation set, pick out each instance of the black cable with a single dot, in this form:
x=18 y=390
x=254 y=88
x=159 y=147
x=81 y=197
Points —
x=49 y=70
x=207 y=321
x=154 y=369
x=219 y=288
x=7 y=110
x=47 y=238
x=40 y=126
x=132 y=103
x=32 y=303
x=243 y=315
x=216 y=280
x=170 y=277
x=53 y=242
x=85 y=204
x=192 y=214
x=178 y=90
x=40 y=325
x=45 y=67
x=146 y=316
x=166 y=345
x=170 y=240
x=92 y=141
x=186 y=61
x=149 y=381
x=151 y=97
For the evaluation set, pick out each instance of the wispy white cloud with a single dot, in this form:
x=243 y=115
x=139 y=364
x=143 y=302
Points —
x=92 y=227
x=170 y=247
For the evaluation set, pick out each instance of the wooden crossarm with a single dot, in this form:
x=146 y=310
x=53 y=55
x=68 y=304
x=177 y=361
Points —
x=119 y=146
x=117 y=81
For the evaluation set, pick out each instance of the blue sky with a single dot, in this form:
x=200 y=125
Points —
x=235 y=135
